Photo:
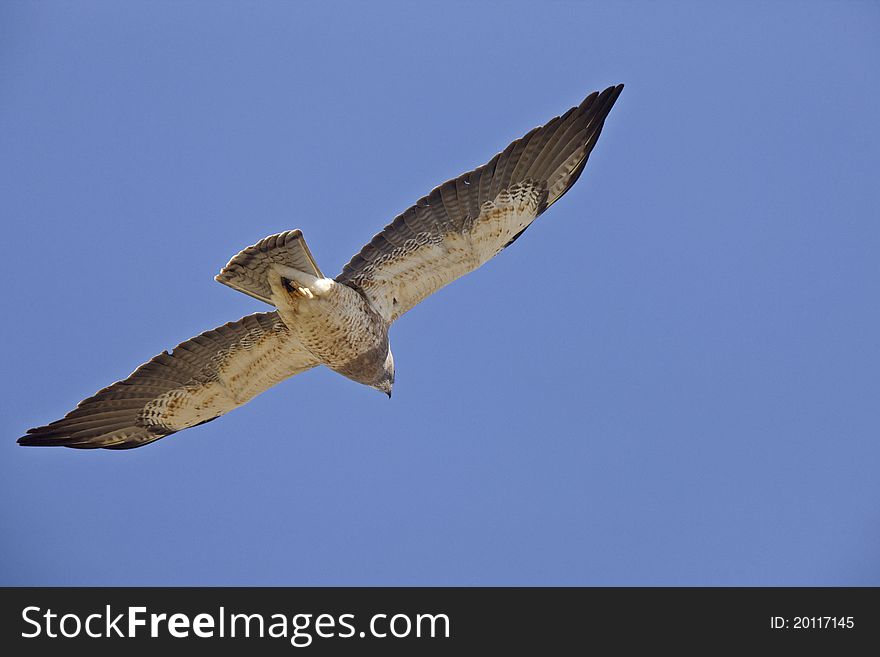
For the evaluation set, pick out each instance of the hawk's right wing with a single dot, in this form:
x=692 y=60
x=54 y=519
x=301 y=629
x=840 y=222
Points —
x=468 y=220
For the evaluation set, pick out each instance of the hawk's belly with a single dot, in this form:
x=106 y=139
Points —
x=340 y=329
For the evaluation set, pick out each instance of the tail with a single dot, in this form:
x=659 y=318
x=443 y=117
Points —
x=248 y=271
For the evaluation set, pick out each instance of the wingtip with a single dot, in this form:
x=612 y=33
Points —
x=615 y=89
x=609 y=96
x=618 y=89
x=41 y=437
x=38 y=441
x=29 y=438
x=110 y=440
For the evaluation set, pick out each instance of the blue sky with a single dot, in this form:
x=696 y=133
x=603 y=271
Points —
x=672 y=378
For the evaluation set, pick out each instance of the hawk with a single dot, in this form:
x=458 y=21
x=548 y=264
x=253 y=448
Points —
x=340 y=322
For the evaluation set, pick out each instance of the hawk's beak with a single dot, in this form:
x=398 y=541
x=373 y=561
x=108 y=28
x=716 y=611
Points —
x=389 y=394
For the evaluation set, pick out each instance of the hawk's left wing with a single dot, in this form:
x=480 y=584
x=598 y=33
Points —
x=200 y=379
x=466 y=221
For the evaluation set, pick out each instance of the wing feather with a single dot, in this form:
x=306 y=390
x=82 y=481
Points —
x=466 y=221
x=199 y=380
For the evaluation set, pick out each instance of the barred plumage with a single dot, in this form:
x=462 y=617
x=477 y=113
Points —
x=341 y=323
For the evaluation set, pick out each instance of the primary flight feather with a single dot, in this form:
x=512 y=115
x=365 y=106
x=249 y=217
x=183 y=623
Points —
x=343 y=322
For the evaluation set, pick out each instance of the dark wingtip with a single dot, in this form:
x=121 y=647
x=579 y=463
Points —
x=53 y=435
x=39 y=437
x=43 y=441
x=613 y=92
x=33 y=438
x=33 y=441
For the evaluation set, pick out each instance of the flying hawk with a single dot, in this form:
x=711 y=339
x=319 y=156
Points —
x=339 y=322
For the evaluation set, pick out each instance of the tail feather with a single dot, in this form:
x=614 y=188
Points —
x=248 y=271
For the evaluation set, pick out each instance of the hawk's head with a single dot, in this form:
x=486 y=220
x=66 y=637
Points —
x=385 y=383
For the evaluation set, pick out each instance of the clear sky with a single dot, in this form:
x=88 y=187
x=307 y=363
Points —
x=672 y=378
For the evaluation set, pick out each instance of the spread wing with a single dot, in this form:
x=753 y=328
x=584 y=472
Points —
x=466 y=221
x=199 y=380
